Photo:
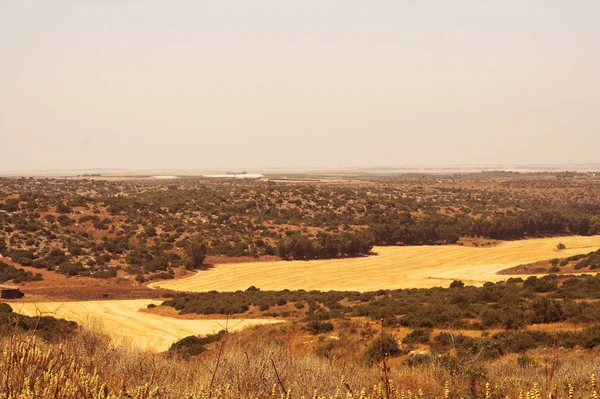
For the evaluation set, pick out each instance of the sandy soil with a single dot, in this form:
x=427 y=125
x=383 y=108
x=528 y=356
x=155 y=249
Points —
x=123 y=321
x=393 y=267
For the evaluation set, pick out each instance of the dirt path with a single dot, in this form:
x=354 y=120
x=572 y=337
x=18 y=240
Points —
x=122 y=320
x=393 y=267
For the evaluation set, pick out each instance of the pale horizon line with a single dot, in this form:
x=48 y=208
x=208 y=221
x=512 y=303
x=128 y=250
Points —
x=378 y=169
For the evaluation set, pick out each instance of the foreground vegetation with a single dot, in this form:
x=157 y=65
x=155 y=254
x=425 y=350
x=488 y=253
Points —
x=334 y=345
x=85 y=365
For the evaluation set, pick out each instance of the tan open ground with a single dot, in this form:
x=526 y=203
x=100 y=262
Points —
x=392 y=267
x=123 y=321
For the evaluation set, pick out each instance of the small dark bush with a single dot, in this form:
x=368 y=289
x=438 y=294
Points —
x=193 y=345
x=316 y=327
x=457 y=284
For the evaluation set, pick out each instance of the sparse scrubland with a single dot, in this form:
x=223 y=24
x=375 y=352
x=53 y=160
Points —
x=510 y=306
x=101 y=228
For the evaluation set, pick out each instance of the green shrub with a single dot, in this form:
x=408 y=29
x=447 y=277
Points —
x=525 y=360
x=383 y=345
x=419 y=336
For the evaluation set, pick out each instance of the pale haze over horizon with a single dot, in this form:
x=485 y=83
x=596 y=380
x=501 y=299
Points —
x=259 y=84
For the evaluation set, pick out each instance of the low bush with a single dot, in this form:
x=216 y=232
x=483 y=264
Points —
x=419 y=336
x=193 y=345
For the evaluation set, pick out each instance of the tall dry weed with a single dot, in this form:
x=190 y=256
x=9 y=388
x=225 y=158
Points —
x=88 y=365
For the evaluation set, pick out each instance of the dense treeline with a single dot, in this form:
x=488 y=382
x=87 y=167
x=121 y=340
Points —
x=510 y=305
x=405 y=229
x=402 y=228
x=324 y=246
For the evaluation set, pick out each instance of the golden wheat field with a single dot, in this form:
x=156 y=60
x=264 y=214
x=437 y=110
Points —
x=391 y=268
x=124 y=322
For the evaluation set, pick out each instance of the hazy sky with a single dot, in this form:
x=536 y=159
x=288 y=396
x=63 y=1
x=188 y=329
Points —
x=278 y=83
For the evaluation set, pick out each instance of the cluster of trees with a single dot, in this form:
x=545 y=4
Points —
x=8 y=272
x=22 y=256
x=591 y=261
x=152 y=259
x=402 y=228
x=324 y=246
x=195 y=253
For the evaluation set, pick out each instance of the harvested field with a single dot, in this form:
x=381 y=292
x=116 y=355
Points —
x=391 y=268
x=123 y=321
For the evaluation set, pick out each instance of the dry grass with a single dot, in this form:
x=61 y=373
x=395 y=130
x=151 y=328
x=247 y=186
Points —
x=391 y=268
x=86 y=366
x=123 y=321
